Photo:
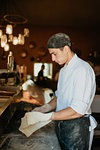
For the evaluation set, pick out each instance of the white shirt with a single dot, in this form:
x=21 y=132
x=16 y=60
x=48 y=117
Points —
x=76 y=86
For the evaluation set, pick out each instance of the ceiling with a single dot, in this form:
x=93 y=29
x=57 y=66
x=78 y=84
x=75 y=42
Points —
x=70 y=13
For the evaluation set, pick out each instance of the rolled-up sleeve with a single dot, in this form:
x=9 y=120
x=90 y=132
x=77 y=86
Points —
x=82 y=94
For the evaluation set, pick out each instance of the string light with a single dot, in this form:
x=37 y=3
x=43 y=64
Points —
x=8 y=37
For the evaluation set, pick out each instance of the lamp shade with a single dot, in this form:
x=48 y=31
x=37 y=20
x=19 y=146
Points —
x=6 y=47
x=3 y=40
x=21 y=39
x=9 y=29
x=15 y=40
x=0 y=33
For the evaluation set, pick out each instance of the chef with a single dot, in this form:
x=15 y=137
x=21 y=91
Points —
x=73 y=97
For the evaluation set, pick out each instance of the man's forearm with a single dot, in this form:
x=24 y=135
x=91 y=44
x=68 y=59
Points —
x=50 y=106
x=47 y=107
x=65 y=114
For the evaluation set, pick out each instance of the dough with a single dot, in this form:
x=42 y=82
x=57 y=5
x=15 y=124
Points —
x=33 y=121
x=32 y=128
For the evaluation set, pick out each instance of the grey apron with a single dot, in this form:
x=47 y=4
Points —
x=73 y=134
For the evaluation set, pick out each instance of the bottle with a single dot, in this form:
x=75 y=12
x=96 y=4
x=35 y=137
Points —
x=10 y=62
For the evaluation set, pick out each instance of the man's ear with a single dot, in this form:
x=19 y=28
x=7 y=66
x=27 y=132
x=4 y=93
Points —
x=66 y=48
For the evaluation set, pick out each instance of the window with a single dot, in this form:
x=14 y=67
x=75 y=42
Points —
x=48 y=71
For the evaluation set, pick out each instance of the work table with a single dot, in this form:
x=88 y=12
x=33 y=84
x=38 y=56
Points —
x=43 y=139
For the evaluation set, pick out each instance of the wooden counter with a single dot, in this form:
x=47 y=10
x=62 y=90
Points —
x=8 y=94
x=4 y=105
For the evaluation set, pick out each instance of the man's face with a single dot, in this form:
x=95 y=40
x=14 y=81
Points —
x=58 y=55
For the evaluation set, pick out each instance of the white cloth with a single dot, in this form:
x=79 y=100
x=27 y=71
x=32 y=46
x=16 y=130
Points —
x=93 y=125
x=33 y=121
x=47 y=92
x=91 y=139
x=26 y=84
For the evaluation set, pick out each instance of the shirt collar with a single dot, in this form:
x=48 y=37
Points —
x=72 y=61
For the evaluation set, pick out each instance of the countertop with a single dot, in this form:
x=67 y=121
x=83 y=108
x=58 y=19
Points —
x=43 y=139
x=8 y=94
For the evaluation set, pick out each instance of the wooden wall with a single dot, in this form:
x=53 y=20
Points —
x=83 y=39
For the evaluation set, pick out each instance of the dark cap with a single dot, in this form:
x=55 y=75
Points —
x=59 y=40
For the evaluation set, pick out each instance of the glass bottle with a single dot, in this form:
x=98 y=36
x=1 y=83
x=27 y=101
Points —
x=10 y=62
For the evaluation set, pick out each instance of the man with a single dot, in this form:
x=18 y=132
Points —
x=40 y=78
x=75 y=92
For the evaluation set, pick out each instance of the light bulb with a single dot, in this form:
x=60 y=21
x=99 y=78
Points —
x=21 y=39
x=1 y=33
x=9 y=29
x=15 y=40
x=6 y=47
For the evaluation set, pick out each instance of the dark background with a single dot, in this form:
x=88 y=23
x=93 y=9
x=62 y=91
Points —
x=79 y=19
